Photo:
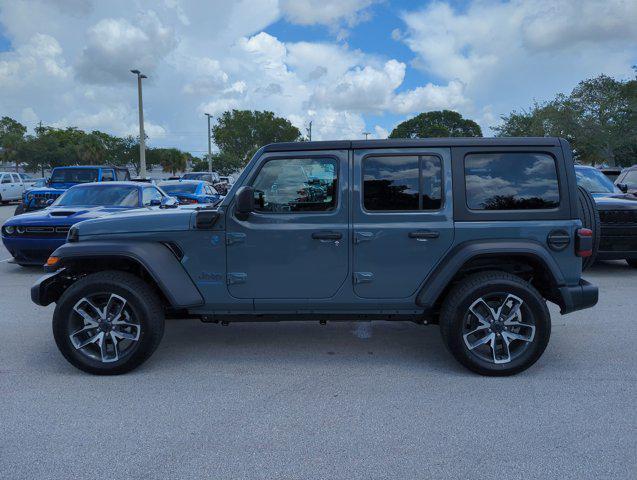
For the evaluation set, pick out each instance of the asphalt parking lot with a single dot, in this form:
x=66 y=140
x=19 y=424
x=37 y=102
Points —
x=304 y=401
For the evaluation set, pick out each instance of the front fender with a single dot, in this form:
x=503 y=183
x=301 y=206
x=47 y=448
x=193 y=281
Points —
x=157 y=259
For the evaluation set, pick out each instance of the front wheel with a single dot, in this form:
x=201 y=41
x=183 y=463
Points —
x=495 y=323
x=108 y=323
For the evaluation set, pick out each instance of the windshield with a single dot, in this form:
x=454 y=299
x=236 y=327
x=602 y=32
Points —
x=91 y=196
x=173 y=188
x=594 y=181
x=74 y=175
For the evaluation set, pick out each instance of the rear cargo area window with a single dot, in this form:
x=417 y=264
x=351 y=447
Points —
x=402 y=183
x=511 y=181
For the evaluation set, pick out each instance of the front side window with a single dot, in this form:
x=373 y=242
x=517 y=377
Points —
x=149 y=194
x=631 y=179
x=511 y=181
x=296 y=185
x=402 y=183
x=6 y=178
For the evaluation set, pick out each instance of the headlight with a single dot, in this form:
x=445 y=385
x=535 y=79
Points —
x=9 y=230
x=20 y=230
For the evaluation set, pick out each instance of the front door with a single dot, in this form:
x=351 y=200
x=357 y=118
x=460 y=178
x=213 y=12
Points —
x=295 y=244
x=402 y=219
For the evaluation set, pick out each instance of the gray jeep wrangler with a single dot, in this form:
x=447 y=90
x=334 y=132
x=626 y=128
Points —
x=472 y=234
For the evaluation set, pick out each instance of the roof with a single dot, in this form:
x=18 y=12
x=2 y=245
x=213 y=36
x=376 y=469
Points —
x=113 y=184
x=414 y=143
x=91 y=166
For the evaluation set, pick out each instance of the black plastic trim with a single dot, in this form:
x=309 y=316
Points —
x=578 y=297
x=158 y=260
x=444 y=272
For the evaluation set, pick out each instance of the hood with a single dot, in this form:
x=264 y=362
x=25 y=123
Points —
x=615 y=201
x=143 y=220
x=63 y=215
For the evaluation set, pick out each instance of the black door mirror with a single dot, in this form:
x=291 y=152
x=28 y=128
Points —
x=155 y=202
x=169 y=202
x=244 y=202
x=49 y=202
x=623 y=187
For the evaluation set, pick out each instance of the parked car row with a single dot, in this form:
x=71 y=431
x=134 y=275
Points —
x=13 y=185
x=31 y=237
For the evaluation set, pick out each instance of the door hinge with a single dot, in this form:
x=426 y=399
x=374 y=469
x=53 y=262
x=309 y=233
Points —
x=360 y=237
x=363 y=277
x=236 y=278
x=235 y=238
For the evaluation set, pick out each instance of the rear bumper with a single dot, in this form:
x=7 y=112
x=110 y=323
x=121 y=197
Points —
x=578 y=297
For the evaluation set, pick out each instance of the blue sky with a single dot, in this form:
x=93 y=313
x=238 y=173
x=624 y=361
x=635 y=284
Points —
x=346 y=65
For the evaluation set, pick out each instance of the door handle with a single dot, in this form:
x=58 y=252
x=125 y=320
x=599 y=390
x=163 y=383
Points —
x=327 y=235
x=424 y=234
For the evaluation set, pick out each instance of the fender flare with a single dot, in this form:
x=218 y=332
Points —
x=447 y=269
x=156 y=258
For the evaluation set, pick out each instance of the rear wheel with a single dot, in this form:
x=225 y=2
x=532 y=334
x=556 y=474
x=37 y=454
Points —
x=108 y=323
x=494 y=323
x=589 y=215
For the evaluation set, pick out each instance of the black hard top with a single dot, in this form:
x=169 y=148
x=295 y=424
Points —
x=415 y=143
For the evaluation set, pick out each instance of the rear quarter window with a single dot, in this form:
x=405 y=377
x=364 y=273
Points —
x=511 y=181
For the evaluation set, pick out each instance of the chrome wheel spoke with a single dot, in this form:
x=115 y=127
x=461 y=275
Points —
x=502 y=354
x=114 y=307
x=484 y=316
x=481 y=341
x=89 y=312
x=92 y=339
x=126 y=335
x=519 y=336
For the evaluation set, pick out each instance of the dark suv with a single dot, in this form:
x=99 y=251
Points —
x=475 y=235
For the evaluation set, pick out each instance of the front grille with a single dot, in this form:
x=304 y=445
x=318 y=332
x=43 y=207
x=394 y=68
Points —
x=40 y=199
x=618 y=217
x=42 y=231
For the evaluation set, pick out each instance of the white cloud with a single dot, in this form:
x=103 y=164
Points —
x=41 y=57
x=326 y=12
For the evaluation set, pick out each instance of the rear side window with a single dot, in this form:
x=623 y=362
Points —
x=511 y=181
x=402 y=183
x=122 y=175
x=107 y=176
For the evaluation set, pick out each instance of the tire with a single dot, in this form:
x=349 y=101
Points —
x=19 y=209
x=141 y=308
x=3 y=202
x=589 y=215
x=632 y=262
x=457 y=322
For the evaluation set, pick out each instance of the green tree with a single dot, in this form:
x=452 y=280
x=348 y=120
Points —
x=440 y=123
x=171 y=160
x=92 y=149
x=240 y=133
x=598 y=118
x=11 y=137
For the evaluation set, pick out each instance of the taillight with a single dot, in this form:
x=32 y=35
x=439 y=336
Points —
x=187 y=201
x=584 y=242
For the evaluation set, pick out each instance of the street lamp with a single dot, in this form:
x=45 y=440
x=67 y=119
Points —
x=209 y=145
x=142 y=139
x=367 y=134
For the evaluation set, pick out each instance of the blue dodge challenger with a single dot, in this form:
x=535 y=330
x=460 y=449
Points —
x=31 y=237
x=191 y=191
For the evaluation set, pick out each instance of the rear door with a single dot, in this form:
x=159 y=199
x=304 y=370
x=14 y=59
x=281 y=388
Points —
x=402 y=218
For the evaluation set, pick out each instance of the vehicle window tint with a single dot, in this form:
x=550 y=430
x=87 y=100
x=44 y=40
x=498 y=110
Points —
x=511 y=181
x=107 y=176
x=6 y=178
x=296 y=185
x=15 y=178
x=149 y=194
x=402 y=183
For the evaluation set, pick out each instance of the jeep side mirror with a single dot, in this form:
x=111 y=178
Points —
x=49 y=202
x=155 y=202
x=244 y=202
x=623 y=187
x=169 y=202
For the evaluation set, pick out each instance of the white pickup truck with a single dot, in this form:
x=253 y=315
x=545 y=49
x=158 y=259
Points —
x=13 y=185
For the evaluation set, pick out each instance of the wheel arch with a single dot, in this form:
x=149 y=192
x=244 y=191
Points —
x=526 y=259
x=154 y=262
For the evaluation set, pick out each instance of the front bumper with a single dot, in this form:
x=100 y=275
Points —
x=33 y=250
x=578 y=297
x=48 y=288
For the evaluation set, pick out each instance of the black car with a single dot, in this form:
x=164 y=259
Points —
x=617 y=213
x=627 y=180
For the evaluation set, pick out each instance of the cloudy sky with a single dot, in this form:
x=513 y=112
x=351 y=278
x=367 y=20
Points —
x=348 y=65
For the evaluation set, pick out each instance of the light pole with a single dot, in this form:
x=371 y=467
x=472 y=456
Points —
x=142 y=139
x=209 y=145
x=367 y=134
